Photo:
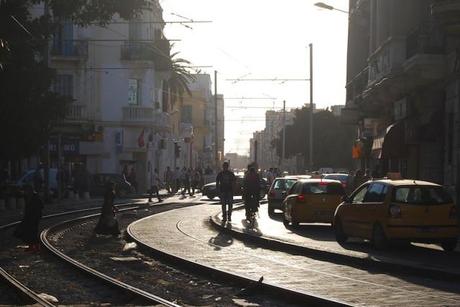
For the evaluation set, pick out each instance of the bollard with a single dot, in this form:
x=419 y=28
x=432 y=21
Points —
x=2 y=204
x=20 y=203
x=11 y=203
x=86 y=196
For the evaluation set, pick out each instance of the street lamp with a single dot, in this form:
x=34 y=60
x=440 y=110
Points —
x=328 y=7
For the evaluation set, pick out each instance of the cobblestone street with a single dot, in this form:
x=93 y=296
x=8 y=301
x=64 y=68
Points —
x=187 y=233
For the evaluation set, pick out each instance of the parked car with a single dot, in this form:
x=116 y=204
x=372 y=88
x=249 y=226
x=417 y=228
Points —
x=278 y=191
x=99 y=181
x=312 y=201
x=408 y=210
x=210 y=189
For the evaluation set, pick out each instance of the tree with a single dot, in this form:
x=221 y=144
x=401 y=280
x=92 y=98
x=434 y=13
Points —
x=28 y=107
x=180 y=78
x=332 y=140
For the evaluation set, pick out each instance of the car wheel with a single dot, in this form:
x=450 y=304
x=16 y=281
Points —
x=449 y=246
x=210 y=196
x=340 y=235
x=379 y=240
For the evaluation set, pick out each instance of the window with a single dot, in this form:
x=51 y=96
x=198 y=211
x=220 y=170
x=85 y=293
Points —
x=295 y=188
x=135 y=30
x=133 y=91
x=186 y=114
x=283 y=184
x=428 y=195
x=376 y=193
x=63 y=85
x=323 y=188
x=358 y=197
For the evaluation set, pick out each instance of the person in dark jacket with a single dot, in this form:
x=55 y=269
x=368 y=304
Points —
x=28 y=228
x=225 y=182
x=108 y=224
x=251 y=191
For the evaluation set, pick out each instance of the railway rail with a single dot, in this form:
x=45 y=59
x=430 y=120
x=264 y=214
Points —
x=25 y=295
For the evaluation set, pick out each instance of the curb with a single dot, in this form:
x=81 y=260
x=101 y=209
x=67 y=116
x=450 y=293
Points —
x=266 y=288
x=277 y=244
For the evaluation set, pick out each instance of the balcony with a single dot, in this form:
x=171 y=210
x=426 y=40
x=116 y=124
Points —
x=76 y=112
x=425 y=59
x=137 y=114
x=387 y=60
x=447 y=12
x=69 y=50
x=157 y=52
x=357 y=86
x=142 y=115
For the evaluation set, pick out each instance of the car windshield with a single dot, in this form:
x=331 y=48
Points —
x=323 y=188
x=283 y=184
x=341 y=178
x=423 y=195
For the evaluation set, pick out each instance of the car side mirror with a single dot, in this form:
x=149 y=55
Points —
x=346 y=199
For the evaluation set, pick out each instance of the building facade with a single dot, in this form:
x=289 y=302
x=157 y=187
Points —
x=120 y=115
x=403 y=87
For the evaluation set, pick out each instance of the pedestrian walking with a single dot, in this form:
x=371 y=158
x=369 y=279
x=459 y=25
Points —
x=156 y=184
x=225 y=183
x=168 y=180
x=196 y=180
x=27 y=230
x=177 y=180
x=108 y=224
x=251 y=191
x=185 y=176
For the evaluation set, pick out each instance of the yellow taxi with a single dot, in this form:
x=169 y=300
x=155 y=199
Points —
x=408 y=210
x=312 y=201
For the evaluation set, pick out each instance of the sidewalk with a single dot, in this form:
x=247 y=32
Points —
x=319 y=239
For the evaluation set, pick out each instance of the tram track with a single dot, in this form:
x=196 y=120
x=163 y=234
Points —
x=340 y=283
x=112 y=282
x=186 y=289
x=24 y=294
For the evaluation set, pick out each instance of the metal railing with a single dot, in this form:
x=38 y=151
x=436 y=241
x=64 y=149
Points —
x=70 y=48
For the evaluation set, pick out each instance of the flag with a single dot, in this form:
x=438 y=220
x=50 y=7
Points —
x=140 y=139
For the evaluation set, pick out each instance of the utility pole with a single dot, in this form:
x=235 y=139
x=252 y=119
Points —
x=283 y=150
x=216 y=129
x=311 y=110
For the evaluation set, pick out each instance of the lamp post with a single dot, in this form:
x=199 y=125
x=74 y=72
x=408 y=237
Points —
x=329 y=7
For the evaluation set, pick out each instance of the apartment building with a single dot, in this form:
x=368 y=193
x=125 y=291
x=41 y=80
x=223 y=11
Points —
x=121 y=113
x=403 y=86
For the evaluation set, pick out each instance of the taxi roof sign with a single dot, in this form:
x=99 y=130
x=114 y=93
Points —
x=394 y=176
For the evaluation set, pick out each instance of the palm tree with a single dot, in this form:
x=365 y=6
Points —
x=179 y=80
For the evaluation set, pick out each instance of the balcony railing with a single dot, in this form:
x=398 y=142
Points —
x=76 y=112
x=147 y=115
x=424 y=40
x=138 y=114
x=357 y=85
x=387 y=59
x=70 y=49
x=157 y=51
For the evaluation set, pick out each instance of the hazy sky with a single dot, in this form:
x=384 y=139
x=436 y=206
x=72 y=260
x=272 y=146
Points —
x=263 y=39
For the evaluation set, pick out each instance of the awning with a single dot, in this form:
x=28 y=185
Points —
x=391 y=144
